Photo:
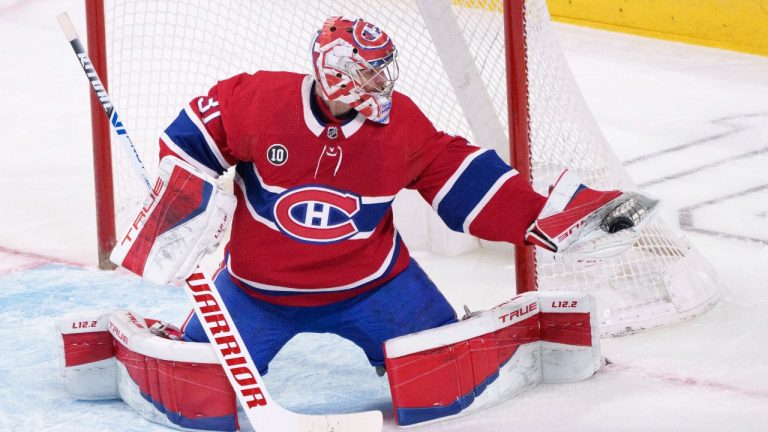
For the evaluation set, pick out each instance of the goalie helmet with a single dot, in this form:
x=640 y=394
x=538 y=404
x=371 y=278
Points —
x=355 y=63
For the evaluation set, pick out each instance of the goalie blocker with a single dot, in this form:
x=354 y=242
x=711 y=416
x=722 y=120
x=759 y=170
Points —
x=456 y=369
x=184 y=217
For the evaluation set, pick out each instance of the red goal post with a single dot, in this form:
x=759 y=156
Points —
x=488 y=70
x=100 y=132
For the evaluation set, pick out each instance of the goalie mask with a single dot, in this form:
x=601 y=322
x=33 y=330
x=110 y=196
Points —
x=355 y=63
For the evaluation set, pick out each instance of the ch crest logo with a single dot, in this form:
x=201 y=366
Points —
x=371 y=33
x=277 y=154
x=369 y=36
x=316 y=214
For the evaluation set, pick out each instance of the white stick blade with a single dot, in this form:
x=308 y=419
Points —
x=368 y=421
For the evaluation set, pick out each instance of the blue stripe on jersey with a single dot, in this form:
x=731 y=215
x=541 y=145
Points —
x=263 y=201
x=370 y=215
x=259 y=198
x=470 y=188
x=191 y=140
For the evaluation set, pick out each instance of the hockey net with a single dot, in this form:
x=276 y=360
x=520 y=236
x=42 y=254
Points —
x=452 y=60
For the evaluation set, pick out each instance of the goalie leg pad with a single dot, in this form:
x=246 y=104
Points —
x=178 y=384
x=169 y=382
x=492 y=356
x=445 y=371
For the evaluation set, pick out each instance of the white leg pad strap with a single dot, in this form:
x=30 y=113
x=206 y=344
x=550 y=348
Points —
x=570 y=337
x=88 y=365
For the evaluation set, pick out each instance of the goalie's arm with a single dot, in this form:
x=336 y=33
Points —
x=198 y=136
x=474 y=191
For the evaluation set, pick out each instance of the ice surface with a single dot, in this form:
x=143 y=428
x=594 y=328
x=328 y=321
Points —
x=690 y=124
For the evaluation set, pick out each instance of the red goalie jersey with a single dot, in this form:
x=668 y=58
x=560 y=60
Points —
x=313 y=223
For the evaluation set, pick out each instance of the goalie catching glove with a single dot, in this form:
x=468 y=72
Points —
x=184 y=218
x=587 y=223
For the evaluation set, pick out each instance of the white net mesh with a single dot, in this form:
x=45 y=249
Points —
x=161 y=54
x=662 y=278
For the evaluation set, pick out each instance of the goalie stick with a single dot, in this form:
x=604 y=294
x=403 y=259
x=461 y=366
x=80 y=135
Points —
x=263 y=413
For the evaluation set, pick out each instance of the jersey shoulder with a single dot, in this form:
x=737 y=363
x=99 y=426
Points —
x=261 y=84
x=408 y=122
x=404 y=109
x=422 y=141
x=252 y=104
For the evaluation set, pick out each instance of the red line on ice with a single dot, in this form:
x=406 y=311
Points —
x=688 y=381
x=34 y=260
x=14 y=6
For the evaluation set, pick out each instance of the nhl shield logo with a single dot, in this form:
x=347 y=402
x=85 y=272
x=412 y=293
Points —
x=333 y=132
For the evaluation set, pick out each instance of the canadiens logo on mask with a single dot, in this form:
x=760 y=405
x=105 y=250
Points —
x=370 y=33
x=356 y=63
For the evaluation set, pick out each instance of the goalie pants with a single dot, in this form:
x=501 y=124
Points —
x=408 y=303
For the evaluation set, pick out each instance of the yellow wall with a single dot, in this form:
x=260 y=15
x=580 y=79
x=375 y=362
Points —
x=739 y=25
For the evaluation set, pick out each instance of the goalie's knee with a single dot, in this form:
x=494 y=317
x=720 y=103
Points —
x=492 y=356
x=177 y=384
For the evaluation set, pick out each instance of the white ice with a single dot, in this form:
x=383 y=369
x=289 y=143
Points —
x=690 y=124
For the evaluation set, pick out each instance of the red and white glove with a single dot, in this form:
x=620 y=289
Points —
x=185 y=217
x=588 y=223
